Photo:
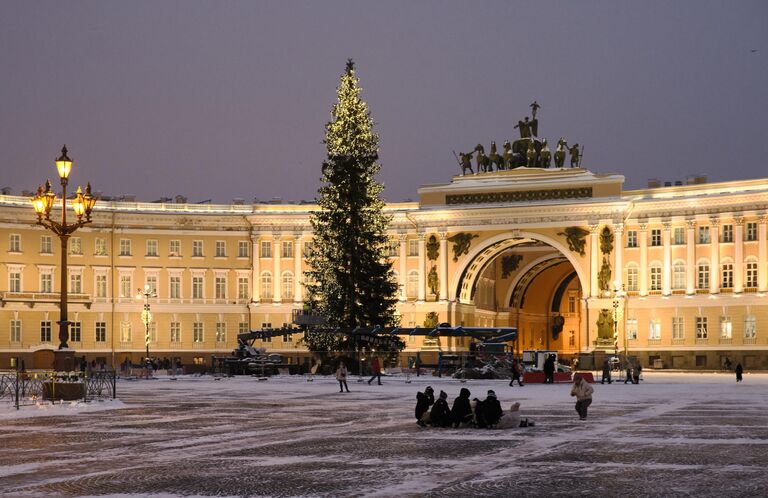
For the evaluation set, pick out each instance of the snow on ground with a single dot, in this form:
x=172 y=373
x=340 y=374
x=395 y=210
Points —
x=675 y=434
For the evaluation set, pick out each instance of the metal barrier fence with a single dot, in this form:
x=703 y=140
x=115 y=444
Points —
x=34 y=386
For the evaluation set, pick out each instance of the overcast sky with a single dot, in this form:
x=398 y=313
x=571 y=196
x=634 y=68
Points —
x=224 y=99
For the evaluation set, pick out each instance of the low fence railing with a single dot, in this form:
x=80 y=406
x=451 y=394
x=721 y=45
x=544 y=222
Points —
x=30 y=387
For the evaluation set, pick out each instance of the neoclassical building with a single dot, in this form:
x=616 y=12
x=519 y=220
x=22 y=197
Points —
x=677 y=274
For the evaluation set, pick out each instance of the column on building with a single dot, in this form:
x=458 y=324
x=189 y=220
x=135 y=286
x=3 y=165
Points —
x=276 y=254
x=690 y=256
x=643 y=271
x=666 y=283
x=714 y=259
x=594 y=262
x=738 y=254
x=762 y=254
x=422 y=265
x=443 y=266
x=255 y=268
x=403 y=266
x=298 y=252
x=618 y=247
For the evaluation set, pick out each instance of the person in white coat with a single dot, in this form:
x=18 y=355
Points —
x=512 y=419
x=583 y=392
x=341 y=376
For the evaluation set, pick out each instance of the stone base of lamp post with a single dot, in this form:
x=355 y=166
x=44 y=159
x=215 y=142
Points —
x=64 y=360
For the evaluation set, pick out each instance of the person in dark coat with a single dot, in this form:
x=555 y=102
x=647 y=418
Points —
x=491 y=410
x=517 y=371
x=636 y=373
x=549 y=369
x=629 y=374
x=606 y=371
x=440 y=415
x=423 y=402
x=375 y=370
x=739 y=372
x=461 y=411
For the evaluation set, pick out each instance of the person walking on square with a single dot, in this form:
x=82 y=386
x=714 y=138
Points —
x=606 y=371
x=375 y=370
x=629 y=374
x=636 y=373
x=517 y=371
x=583 y=392
x=549 y=369
x=341 y=376
x=739 y=372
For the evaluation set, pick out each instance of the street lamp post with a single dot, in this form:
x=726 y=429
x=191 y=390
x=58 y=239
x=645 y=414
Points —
x=618 y=295
x=146 y=314
x=82 y=205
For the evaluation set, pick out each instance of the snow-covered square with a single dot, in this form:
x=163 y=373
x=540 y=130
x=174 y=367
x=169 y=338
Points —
x=672 y=435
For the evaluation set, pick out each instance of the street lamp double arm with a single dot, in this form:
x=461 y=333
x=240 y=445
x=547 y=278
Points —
x=146 y=314
x=82 y=205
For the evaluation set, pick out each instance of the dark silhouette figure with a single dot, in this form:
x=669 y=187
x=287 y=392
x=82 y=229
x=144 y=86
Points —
x=517 y=371
x=606 y=371
x=423 y=402
x=739 y=372
x=440 y=415
x=375 y=370
x=461 y=411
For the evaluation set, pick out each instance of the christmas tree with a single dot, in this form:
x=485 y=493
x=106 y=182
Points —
x=350 y=281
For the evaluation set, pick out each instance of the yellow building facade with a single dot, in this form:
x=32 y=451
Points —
x=676 y=276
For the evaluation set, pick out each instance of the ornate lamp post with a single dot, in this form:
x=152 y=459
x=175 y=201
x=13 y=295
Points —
x=82 y=205
x=146 y=314
x=618 y=296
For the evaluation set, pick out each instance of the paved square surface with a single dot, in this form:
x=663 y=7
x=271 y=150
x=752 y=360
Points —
x=673 y=435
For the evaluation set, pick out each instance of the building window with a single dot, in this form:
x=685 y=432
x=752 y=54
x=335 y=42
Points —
x=632 y=278
x=220 y=287
x=15 y=330
x=242 y=248
x=656 y=277
x=243 y=287
x=750 y=327
x=266 y=285
x=413 y=247
x=150 y=284
x=286 y=285
x=751 y=280
x=632 y=238
x=101 y=331
x=703 y=276
x=75 y=331
x=14 y=243
x=46 y=244
x=221 y=332
x=197 y=287
x=76 y=283
x=701 y=327
x=412 y=284
x=46 y=282
x=631 y=329
x=101 y=286
x=198 y=360
x=242 y=328
x=678 y=275
x=76 y=245
x=656 y=237
x=197 y=248
x=152 y=247
x=221 y=249
x=45 y=331
x=100 y=247
x=655 y=329
x=571 y=338
x=14 y=281
x=727 y=234
x=751 y=233
x=125 y=332
x=197 y=332
x=175 y=332
x=174 y=248
x=266 y=249
x=572 y=304
x=125 y=286
x=726 y=327
x=175 y=287
x=727 y=280
x=287 y=249
x=704 y=235
x=678 y=330
x=125 y=247
x=679 y=236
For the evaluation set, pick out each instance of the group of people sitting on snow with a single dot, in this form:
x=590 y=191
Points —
x=465 y=413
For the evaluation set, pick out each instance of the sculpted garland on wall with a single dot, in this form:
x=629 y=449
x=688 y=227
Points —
x=575 y=237
x=461 y=243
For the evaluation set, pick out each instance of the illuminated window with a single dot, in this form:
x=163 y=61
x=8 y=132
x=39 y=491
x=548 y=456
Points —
x=174 y=248
x=101 y=285
x=655 y=329
x=75 y=245
x=125 y=247
x=632 y=278
x=100 y=247
x=125 y=332
x=656 y=277
x=175 y=332
x=678 y=329
x=678 y=275
x=286 y=285
x=679 y=236
x=702 y=281
x=152 y=247
x=243 y=287
x=197 y=332
x=198 y=360
x=631 y=329
x=727 y=273
x=14 y=281
x=701 y=327
x=750 y=327
x=126 y=288
x=266 y=285
x=221 y=332
x=150 y=284
x=726 y=327
x=76 y=283
x=704 y=235
x=15 y=335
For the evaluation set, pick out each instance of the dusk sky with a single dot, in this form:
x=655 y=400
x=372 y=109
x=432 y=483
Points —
x=224 y=99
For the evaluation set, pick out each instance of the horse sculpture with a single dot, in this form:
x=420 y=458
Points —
x=483 y=163
x=545 y=156
x=531 y=155
x=511 y=159
x=495 y=159
x=560 y=153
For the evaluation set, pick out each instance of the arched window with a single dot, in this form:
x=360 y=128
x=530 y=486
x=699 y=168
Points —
x=632 y=279
x=678 y=275
x=286 y=285
x=412 y=285
x=702 y=274
x=266 y=285
x=655 y=274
